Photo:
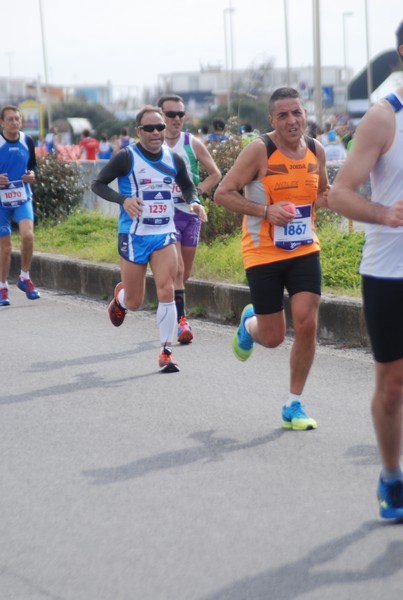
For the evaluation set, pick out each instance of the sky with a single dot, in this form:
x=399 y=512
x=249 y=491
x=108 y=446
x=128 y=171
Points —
x=131 y=42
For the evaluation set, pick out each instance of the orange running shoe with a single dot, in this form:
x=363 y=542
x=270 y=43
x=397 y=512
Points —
x=165 y=362
x=185 y=335
x=116 y=312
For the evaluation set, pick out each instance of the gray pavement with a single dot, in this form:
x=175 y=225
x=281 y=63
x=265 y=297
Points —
x=120 y=483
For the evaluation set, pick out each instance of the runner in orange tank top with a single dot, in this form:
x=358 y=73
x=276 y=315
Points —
x=282 y=175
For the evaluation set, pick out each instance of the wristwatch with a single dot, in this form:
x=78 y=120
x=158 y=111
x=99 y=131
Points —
x=199 y=192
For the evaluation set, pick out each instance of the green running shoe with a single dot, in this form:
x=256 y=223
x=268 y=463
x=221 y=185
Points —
x=242 y=342
x=295 y=417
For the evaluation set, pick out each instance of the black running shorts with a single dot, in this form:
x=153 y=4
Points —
x=268 y=282
x=383 y=309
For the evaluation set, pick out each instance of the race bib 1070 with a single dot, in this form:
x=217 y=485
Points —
x=13 y=194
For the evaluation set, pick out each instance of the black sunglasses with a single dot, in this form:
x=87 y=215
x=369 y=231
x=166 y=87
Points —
x=150 y=128
x=171 y=114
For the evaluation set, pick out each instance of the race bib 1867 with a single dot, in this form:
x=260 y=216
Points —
x=297 y=232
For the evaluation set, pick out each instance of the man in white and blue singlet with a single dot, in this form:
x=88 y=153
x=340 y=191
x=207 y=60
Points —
x=188 y=225
x=377 y=152
x=146 y=172
x=17 y=172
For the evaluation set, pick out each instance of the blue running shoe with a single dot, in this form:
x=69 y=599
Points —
x=26 y=285
x=4 y=299
x=242 y=342
x=390 y=496
x=295 y=417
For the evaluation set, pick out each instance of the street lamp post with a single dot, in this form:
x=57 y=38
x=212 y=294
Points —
x=317 y=62
x=345 y=16
x=229 y=62
x=345 y=74
x=45 y=65
x=369 y=69
x=10 y=76
x=287 y=45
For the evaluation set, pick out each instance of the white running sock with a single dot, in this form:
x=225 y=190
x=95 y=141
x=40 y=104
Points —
x=247 y=323
x=389 y=476
x=166 y=319
x=293 y=398
x=24 y=274
x=121 y=298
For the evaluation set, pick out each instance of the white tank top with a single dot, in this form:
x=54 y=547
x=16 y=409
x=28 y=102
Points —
x=382 y=254
x=184 y=147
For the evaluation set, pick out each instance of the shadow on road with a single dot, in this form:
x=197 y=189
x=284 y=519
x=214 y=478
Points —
x=308 y=574
x=210 y=449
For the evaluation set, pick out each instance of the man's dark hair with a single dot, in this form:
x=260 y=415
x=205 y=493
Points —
x=399 y=37
x=169 y=98
x=248 y=128
x=8 y=107
x=282 y=94
x=148 y=108
x=86 y=133
x=219 y=124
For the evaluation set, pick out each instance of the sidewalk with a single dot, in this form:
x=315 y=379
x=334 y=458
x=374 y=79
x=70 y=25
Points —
x=341 y=319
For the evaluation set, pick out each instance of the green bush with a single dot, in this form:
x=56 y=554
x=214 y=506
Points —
x=340 y=258
x=58 y=189
x=221 y=222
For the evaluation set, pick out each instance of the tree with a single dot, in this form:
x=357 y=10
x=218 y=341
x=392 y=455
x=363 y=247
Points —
x=95 y=113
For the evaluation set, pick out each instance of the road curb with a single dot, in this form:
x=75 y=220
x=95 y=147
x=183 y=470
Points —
x=341 y=319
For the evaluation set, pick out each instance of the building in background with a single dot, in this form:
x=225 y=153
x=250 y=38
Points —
x=210 y=87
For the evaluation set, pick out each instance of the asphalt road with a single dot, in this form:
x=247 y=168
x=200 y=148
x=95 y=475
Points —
x=121 y=483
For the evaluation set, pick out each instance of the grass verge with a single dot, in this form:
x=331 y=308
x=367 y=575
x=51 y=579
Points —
x=93 y=237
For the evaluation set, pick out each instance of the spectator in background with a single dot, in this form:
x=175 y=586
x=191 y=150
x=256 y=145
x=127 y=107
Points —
x=124 y=139
x=52 y=141
x=248 y=135
x=203 y=134
x=105 y=148
x=334 y=149
x=313 y=130
x=219 y=134
x=350 y=142
x=323 y=137
x=88 y=146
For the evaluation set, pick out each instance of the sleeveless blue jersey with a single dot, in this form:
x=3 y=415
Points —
x=17 y=157
x=152 y=182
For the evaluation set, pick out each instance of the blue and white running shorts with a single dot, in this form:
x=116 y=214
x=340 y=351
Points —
x=25 y=211
x=139 y=248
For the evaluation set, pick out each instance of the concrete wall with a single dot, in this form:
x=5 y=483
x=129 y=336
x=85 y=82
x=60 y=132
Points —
x=341 y=319
x=91 y=201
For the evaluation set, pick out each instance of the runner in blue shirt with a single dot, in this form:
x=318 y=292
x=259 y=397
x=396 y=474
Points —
x=17 y=172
